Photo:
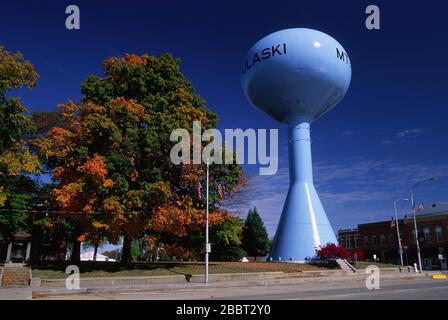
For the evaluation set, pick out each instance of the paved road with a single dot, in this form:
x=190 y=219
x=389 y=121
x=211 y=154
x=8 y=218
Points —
x=390 y=290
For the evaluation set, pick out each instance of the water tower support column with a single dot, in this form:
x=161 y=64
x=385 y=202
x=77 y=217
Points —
x=303 y=224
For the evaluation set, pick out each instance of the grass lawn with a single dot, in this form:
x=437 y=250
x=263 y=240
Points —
x=365 y=264
x=111 y=269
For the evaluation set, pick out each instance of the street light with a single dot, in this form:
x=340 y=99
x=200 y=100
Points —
x=207 y=245
x=400 y=248
x=411 y=189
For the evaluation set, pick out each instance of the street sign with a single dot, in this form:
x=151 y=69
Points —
x=208 y=248
x=441 y=257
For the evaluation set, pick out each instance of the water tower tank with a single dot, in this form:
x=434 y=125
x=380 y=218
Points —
x=296 y=76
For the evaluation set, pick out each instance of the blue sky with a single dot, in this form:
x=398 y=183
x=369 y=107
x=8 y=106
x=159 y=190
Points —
x=389 y=131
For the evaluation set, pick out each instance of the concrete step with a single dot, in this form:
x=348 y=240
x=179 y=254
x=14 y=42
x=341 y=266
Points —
x=346 y=266
x=15 y=276
x=14 y=284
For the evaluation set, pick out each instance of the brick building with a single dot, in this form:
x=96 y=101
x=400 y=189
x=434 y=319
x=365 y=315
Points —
x=380 y=238
x=349 y=238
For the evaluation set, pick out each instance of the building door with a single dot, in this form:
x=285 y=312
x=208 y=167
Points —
x=427 y=264
x=443 y=264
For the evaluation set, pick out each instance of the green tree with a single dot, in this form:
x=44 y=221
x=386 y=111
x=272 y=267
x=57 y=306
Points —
x=16 y=188
x=111 y=155
x=226 y=239
x=255 y=236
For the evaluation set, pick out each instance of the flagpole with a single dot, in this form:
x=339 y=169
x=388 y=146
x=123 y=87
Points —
x=207 y=246
x=398 y=230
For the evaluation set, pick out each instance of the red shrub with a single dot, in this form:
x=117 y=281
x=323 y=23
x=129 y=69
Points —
x=332 y=251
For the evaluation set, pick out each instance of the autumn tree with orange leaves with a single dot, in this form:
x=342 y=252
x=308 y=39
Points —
x=110 y=158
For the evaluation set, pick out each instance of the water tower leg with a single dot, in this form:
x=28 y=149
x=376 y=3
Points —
x=303 y=224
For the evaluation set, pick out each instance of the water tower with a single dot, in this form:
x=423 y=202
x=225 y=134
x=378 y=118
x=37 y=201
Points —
x=296 y=76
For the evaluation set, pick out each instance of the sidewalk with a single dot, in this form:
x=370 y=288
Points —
x=165 y=283
x=15 y=293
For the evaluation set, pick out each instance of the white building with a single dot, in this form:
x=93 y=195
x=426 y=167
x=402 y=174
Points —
x=88 y=256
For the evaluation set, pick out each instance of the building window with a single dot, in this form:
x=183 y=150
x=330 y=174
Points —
x=427 y=264
x=427 y=234
x=383 y=240
x=349 y=242
x=416 y=235
x=366 y=242
x=356 y=242
x=439 y=235
x=374 y=243
x=342 y=241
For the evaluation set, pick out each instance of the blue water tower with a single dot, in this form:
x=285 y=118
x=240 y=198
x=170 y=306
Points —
x=296 y=76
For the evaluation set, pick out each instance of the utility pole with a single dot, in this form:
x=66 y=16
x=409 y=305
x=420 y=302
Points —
x=415 y=220
x=419 y=257
x=207 y=245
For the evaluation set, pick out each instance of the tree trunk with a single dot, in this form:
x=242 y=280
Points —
x=76 y=252
x=95 y=252
x=126 y=251
x=143 y=251
x=36 y=244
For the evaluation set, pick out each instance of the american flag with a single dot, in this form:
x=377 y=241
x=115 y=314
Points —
x=392 y=223
x=221 y=191
x=421 y=207
x=199 y=190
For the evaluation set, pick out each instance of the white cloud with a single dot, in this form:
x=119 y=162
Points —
x=347 y=133
x=409 y=133
x=406 y=136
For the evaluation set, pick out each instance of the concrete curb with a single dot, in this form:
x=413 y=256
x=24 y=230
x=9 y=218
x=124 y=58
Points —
x=48 y=291
x=158 y=280
x=199 y=278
